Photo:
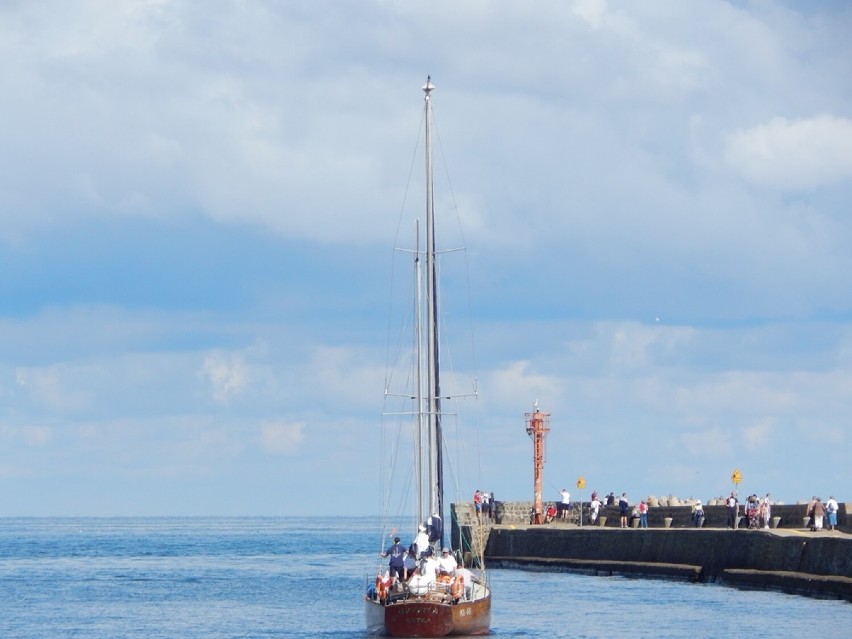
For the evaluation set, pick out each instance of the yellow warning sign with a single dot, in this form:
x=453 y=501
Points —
x=581 y=482
x=737 y=477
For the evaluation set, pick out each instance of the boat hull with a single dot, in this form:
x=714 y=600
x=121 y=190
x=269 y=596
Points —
x=422 y=617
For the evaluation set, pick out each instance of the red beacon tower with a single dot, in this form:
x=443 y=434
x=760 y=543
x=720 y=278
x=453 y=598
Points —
x=538 y=425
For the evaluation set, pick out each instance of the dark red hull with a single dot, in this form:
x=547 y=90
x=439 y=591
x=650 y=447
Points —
x=416 y=617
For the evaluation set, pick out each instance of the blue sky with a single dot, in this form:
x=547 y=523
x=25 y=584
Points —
x=199 y=204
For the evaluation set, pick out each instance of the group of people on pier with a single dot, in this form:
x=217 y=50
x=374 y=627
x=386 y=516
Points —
x=484 y=505
x=818 y=512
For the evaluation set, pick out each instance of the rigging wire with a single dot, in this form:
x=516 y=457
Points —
x=469 y=297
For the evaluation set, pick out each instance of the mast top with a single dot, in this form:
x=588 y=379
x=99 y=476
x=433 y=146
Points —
x=428 y=87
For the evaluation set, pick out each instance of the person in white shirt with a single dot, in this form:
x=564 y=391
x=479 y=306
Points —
x=429 y=568
x=424 y=578
x=468 y=578
x=446 y=562
x=421 y=541
x=766 y=511
x=831 y=508
x=409 y=564
x=594 y=508
x=566 y=503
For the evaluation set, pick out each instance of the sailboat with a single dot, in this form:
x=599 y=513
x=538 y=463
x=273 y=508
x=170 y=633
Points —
x=429 y=603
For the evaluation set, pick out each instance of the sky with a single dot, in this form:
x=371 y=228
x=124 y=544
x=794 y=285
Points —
x=199 y=205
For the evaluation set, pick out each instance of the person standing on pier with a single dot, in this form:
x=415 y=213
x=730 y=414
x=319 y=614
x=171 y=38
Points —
x=831 y=509
x=698 y=514
x=819 y=513
x=594 y=508
x=733 y=505
x=765 y=511
x=565 y=506
x=623 y=508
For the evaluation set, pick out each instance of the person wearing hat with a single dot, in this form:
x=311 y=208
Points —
x=396 y=564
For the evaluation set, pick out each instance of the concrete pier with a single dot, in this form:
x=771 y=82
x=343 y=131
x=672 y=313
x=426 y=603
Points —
x=792 y=560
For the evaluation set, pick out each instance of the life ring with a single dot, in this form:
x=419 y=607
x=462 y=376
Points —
x=457 y=589
x=381 y=588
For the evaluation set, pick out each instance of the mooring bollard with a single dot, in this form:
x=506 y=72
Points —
x=667 y=522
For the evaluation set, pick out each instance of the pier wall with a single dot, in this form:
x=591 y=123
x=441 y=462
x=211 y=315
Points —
x=799 y=564
x=792 y=560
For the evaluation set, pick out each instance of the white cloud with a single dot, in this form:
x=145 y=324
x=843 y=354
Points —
x=793 y=154
x=57 y=387
x=757 y=436
x=591 y=11
x=281 y=438
x=709 y=443
x=227 y=375
x=601 y=158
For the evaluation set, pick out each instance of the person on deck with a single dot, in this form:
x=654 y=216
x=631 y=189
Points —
x=396 y=564
x=469 y=580
x=446 y=562
x=409 y=563
x=435 y=528
x=421 y=541
x=429 y=568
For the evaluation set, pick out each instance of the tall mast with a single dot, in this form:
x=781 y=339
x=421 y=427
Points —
x=433 y=401
x=418 y=333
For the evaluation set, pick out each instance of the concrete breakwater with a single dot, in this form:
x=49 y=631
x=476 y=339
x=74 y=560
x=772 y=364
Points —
x=812 y=564
x=787 y=558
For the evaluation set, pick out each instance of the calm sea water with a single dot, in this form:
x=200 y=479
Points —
x=277 y=577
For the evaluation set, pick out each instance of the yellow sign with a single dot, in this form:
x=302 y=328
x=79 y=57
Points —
x=581 y=483
x=737 y=477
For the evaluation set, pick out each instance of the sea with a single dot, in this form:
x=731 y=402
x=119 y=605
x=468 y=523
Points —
x=264 y=577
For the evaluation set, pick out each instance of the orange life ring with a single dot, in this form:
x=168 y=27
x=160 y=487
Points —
x=381 y=588
x=457 y=588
